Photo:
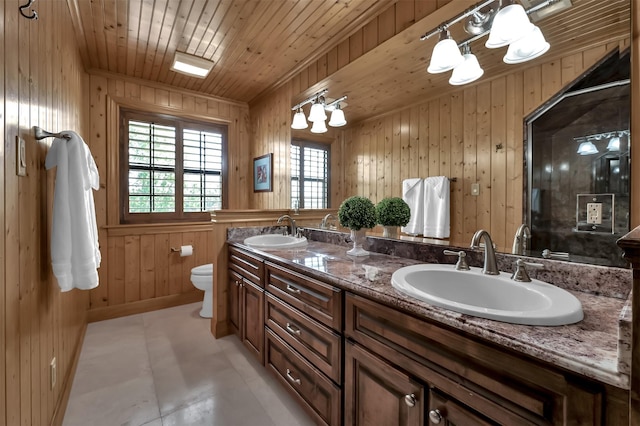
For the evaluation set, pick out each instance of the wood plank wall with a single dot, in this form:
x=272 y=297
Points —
x=271 y=113
x=138 y=271
x=453 y=135
x=42 y=82
x=474 y=135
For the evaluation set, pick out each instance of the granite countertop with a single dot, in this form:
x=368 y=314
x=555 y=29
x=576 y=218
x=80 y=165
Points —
x=594 y=347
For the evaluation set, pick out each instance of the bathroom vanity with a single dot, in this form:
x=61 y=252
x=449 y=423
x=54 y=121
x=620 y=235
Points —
x=353 y=350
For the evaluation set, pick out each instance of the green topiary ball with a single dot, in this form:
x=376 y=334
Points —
x=393 y=211
x=356 y=213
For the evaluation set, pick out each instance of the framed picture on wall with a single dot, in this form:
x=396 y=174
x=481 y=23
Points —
x=263 y=173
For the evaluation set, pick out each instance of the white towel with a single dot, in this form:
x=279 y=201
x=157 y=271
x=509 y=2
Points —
x=413 y=195
x=75 y=254
x=436 y=207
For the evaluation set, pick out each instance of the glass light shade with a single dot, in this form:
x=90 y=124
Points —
x=587 y=148
x=317 y=113
x=445 y=56
x=319 y=127
x=337 y=118
x=511 y=23
x=467 y=72
x=299 y=121
x=614 y=144
x=527 y=48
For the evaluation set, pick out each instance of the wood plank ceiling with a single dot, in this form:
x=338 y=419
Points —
x=255 y=43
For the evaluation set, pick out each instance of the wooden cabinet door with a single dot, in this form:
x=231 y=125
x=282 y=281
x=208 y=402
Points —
x=376 y=393
x=234 y=308
x=252 y=323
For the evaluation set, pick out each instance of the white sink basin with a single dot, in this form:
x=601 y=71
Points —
x=495 y=297
x=275 y=241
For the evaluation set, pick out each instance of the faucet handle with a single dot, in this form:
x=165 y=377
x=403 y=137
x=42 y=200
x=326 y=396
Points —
x=521 y=274
x=461 y=265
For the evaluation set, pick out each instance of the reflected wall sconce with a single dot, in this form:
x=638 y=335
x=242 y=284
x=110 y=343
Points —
x=317 y=114
x=507 y=24
x=587 y=146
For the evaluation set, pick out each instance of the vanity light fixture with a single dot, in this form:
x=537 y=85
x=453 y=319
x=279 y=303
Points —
x=614 y=144
x=510 y=24
x=299 y=120
x=317 y=111
x=446 y=54
x=317 y=114
x=587 y=147
x=527 y=48
x=469 y=70
x=505 y=21
x=191 y=65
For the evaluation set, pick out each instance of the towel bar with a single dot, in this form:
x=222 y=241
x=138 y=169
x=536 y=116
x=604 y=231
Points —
x=40 y=134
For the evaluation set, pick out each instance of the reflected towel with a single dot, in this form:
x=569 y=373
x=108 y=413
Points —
x=413 y=195
x=75 y=254
x=436 y=207
x=536 y=200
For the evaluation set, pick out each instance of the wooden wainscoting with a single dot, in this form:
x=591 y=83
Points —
x=140 y=272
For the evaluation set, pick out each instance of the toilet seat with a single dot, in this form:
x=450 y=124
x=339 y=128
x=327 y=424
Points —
x=203 y=269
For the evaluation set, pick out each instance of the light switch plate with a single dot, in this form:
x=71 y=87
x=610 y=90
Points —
x=21 y=157
x=475 y=189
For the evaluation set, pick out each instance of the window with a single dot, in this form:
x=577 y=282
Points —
x=309 y=175
x=173 y=169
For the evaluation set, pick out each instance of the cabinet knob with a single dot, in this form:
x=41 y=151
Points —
x=410 y=400
x=435 y=416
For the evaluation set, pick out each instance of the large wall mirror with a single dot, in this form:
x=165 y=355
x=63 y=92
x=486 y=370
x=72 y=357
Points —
x=578 y=165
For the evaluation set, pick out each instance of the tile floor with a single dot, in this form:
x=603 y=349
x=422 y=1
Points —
x=165 y=368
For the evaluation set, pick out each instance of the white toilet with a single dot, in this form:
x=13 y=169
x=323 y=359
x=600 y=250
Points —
x=202 y=279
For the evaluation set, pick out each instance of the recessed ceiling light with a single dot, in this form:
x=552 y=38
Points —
x=191 y=65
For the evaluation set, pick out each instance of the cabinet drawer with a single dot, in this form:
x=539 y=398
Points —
x=317 y=343
x=319 y=395
x=443 y=411
x=247 y=265
x=321 y=301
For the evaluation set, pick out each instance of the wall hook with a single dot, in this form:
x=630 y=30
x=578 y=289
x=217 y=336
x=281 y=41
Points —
x=34 y=14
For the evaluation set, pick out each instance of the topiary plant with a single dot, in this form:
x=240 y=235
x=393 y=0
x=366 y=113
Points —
x=393 y=211
x=357 y=213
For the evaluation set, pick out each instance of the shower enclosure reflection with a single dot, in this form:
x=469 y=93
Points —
x=578 y=168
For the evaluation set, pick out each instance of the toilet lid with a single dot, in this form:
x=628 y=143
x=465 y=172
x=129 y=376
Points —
x=203 y=269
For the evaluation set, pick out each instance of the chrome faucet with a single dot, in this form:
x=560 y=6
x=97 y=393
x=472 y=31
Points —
x=490 y=264
x=521 y=240
x=294 y=229
x=325 y=221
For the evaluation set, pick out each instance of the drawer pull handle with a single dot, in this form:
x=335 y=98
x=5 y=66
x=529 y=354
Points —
x=292 y=329
x=435 y=416
x=410 y=400
x=292 y=289
x=292 y=379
